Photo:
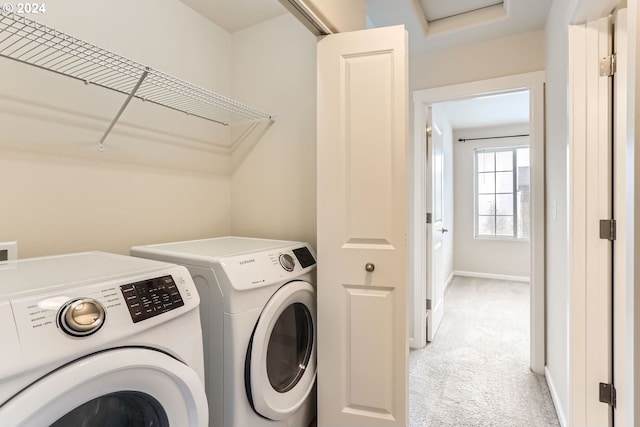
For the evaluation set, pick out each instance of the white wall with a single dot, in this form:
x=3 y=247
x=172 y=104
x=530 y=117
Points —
x=496 y=257
x=274 y=186
x=517 y=54
x=556 y=205
x=162 y=176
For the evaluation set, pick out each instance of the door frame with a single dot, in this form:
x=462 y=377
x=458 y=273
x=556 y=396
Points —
x=534 y=83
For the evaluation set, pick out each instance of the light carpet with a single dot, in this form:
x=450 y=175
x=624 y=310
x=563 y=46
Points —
x=476 y=371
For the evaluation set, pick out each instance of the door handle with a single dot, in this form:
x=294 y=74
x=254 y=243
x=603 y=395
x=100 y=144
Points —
x=444 y=230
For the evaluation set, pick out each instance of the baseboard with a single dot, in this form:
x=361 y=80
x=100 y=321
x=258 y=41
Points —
x=554 y=398
x=491 y=276
x=448 y=281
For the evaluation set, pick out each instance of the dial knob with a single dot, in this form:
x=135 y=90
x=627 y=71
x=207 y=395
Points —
x=81 y=317
x=287 y=262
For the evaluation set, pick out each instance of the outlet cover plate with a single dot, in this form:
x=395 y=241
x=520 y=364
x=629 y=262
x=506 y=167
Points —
x=8 y=251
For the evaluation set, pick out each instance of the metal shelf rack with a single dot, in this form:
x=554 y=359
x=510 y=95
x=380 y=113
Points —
x=30 y=42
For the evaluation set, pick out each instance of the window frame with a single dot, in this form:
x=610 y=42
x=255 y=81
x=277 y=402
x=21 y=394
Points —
x=514 y=171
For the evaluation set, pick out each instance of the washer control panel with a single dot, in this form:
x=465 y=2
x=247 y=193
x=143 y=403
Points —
x=149 y=298
x=64 y=307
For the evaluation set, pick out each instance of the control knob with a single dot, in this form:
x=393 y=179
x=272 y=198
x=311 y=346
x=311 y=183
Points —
x=81 y=317
x=287 y=262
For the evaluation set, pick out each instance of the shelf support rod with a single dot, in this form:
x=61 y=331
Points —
x=124 y=106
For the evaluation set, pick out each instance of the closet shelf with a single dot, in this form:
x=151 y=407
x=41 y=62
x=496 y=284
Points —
x=33 y=43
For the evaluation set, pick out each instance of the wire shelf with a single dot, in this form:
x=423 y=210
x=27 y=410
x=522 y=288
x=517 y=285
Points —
x=30 y=42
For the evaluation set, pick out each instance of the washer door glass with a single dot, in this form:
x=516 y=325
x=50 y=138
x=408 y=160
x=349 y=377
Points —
x=126 y=387
x=121 y=409
x=281 y=359
x=289 y=348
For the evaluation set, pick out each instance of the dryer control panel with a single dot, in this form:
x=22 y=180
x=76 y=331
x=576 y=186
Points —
x=259 y=269
x=304 y=256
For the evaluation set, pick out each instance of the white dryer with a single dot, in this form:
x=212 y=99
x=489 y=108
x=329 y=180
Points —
x=102 y=340
x=258 y=316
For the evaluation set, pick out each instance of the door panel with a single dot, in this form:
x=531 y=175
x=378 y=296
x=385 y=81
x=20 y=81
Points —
x=372 y=350
x=368 y=192
x=362 y=229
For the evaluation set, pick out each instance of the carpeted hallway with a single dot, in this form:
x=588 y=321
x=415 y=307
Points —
x=476 y=371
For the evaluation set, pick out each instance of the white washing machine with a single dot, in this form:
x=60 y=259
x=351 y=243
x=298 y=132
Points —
x=259 y=327
x=97 y=339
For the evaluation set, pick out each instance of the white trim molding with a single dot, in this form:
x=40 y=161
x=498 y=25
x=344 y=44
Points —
x=562 y=419
x=492 y=276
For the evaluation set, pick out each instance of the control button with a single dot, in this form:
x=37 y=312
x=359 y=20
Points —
x=81 y=317
x=287 y=262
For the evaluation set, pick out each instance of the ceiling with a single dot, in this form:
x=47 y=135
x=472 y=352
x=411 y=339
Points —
x=432 y=24
x=235 y=15
x=491 y=110
x=439 y=24
x=437 y=10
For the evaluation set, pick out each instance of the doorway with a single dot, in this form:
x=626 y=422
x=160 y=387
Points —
x=533 y=83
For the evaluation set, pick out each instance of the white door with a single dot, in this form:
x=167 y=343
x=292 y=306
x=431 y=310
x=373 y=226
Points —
x=362 y=229
x=623 y=413
x=590 y=270
x=435 y=224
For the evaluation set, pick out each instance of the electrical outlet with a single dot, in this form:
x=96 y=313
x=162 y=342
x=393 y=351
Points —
x=8 y=251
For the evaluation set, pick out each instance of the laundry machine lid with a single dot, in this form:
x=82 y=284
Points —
x=206 y=252
x=172 y=389
x=281 y=364
x=33 y=274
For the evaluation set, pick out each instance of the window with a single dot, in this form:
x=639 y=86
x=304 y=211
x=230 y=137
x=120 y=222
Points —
x=502 y=193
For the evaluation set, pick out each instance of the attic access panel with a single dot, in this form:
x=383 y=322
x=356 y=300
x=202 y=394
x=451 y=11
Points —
x=436 y=10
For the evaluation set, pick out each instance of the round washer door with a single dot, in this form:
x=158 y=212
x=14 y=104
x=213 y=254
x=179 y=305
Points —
x=130 y=386
x=281 y=369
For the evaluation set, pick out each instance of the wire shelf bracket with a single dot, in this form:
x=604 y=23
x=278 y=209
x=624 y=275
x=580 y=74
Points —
x=30 y=42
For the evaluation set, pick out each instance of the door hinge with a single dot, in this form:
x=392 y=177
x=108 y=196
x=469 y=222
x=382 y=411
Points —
x=608 y=229
x=428 y=218
x=608 y=394
x=608 y=66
